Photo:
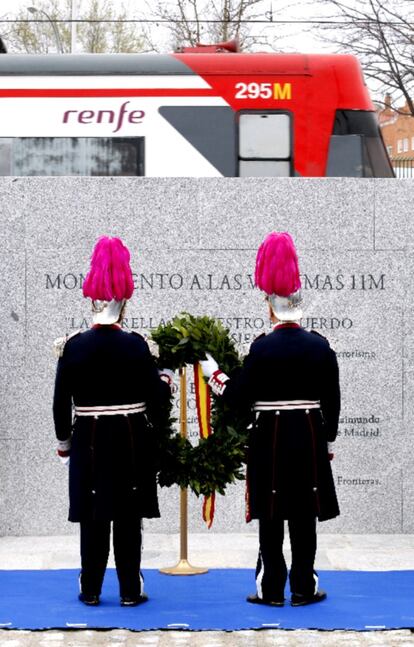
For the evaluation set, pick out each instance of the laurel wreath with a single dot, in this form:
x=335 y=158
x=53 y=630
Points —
x=217 y=460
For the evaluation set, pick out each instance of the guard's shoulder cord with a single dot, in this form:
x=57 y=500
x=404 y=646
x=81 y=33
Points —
x=60 y=343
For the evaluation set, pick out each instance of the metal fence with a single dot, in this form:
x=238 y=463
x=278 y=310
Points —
x=403 y=168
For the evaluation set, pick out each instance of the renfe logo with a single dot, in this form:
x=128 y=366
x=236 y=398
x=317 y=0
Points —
x=105 y=116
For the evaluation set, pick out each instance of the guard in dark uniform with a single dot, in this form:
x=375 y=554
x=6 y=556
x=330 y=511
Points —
x=290 y=382
x=108 y=397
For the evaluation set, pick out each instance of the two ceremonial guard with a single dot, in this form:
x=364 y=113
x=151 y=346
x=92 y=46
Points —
x=290 y=382
x=107 y=402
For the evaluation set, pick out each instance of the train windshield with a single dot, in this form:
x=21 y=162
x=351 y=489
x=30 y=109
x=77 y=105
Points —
x=356 y=148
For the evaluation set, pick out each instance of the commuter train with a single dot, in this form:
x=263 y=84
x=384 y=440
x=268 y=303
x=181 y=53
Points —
x=197 y=113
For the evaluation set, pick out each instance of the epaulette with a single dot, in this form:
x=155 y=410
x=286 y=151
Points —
x=154 y=349
x=60 y=343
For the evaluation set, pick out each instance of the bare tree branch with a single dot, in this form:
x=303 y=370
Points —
x=381 y=34
x=187 y=21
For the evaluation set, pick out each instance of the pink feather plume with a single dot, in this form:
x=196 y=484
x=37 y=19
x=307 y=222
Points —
x=110 y=275
x=277 y=267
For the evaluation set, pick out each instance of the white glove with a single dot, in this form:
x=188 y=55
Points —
x=209 y=366
x=63 y=451
x=167 y=375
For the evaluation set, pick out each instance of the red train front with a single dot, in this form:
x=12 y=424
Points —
x=198 y=113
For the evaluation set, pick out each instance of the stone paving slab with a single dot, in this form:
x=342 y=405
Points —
x=218 y=550
x=268 y=638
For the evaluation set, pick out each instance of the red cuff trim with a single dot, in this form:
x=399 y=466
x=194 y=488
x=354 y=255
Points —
x=63 y=453
x=217 y=382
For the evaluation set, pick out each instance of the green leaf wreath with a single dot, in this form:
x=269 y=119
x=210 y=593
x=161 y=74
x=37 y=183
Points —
x=217 y=460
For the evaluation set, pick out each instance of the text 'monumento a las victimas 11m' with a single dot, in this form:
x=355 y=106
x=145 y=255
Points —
x=193 y=244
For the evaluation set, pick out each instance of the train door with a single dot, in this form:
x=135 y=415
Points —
x=265 y=144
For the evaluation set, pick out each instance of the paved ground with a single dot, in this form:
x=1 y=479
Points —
x=207 y=639
x=367 y=552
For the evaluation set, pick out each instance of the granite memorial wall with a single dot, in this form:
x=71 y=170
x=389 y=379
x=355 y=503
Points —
x=193 y=245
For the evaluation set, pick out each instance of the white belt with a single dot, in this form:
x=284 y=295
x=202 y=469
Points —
x=111 y=410
x=285 y=405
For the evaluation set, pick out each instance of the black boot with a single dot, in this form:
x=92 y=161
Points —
x=90 y=600
x=127 y=601
x=298 y=600
x=254 y=599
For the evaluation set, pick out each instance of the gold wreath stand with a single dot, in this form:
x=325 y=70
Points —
x=183 y=567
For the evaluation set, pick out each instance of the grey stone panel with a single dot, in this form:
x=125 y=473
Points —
x=34 y=499
x=15 y=402
x=377 y=449
x=408 y=308
x=13 y=336
x=408 y=503
x=67 y=215
x=13 y=301
x=406 y=455
x=394 y=227
x=358 y=297
x=13 y=476
x=46 y=494
x=335 y=214
x=12 y=225
x=370 y=502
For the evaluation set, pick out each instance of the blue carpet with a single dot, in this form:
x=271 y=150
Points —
x=216 y=601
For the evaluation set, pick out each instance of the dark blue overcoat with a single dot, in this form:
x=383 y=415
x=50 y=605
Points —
x=288 y=471
x=112 y=472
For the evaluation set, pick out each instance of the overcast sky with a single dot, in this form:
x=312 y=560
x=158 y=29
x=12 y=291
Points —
x=293 y=33
x=286 y=38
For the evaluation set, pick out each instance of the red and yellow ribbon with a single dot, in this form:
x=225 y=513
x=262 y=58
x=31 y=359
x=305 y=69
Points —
x=203 y=403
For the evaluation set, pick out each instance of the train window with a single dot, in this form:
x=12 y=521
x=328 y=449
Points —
x=53 y=156
x=264 y=136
